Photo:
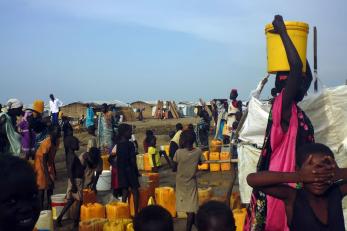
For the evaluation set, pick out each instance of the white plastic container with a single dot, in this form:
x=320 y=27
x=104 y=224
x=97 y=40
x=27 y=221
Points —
x=139 y=162
x=104 y=182
x=45 y=221
x=58 y=203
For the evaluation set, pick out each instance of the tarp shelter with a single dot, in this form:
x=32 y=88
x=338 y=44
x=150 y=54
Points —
x=186 y=109
x=327 y=111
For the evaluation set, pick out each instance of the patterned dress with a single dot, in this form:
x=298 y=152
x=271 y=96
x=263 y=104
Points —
x=278 y=154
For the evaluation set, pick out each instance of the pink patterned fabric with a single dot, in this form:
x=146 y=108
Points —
x=283 y=145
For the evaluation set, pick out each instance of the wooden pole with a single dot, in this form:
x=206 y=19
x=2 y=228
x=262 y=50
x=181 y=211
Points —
x=315 y=59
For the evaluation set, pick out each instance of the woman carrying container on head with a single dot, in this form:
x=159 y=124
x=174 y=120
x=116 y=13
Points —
x=288 y=128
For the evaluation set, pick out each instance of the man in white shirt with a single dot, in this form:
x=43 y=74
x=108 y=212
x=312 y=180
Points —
x=54 y=105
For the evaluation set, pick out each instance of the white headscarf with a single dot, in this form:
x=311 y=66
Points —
x=14 y=103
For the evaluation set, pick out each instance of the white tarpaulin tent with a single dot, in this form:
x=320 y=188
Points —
x=328 y=113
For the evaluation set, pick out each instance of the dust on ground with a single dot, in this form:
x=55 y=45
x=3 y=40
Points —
x=218 y=181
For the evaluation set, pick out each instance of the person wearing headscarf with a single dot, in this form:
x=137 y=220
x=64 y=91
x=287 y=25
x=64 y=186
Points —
x=38 y=124
x=203 y=129
x=288 y=129
x=27 y=135
x=233 y=108
x=10 y=140
x=221 y=120
x=90 y=117
x=105 y=131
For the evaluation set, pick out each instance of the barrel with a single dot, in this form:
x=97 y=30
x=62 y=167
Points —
x=104 y=182
x=276 y=54
x=58 y=203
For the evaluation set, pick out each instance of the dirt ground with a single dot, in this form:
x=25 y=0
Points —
x=219 y=181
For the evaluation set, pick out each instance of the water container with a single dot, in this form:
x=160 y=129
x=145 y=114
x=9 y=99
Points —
x=89 y=196
x=216 y=146
x=119 y=224
x=58 y=203
x=204 y=166
x=104 y=182
x=214 y=167
x=205 y=195
x=145 y=194
x=276 y=54
x=91 y=211
x=45 y=221
x=166 y=198
x=153 y=181
x=225 y=156
x=96 y=224
x=117 y=210
x=239 y=216
x=147 y=162
x=139 y=162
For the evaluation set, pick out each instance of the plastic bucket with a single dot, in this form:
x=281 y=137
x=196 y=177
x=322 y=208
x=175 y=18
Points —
x=58 y=203
x=45 y=221
x=276 y=54
x=104 y=182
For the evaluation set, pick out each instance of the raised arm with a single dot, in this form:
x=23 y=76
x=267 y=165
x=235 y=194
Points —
x=295 y=74
x=273 y=183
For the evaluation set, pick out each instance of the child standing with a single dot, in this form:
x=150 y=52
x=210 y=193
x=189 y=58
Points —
x=44 y=164
x=154 y=156
x=28 y=135
x=186 y=162
x=126 y=165
x=75 y=172
x=148 y=138
x=19 y=201
x=318 y=205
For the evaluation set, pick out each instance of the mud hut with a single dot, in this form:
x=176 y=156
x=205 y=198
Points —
x=146 y=107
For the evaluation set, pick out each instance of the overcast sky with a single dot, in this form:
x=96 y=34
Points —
x=153 y=49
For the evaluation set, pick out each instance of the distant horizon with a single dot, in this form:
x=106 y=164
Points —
x=176 y=50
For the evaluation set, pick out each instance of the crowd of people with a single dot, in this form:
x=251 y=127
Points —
x=298 y=184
